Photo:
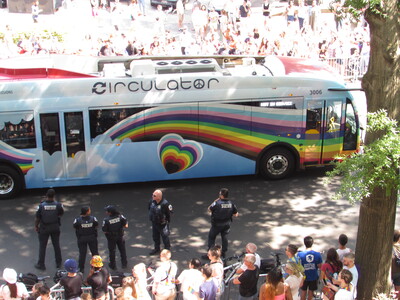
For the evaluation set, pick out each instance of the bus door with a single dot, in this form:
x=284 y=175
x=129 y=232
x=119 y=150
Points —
x=322 y=136
x=63 y=142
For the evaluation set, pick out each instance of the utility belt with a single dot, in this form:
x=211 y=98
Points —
x=221 y=222
x=115 y=233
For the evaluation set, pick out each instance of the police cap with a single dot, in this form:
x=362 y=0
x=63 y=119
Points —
x=111 y=209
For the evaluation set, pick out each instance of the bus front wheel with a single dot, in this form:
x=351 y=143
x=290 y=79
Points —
x=10 y=182
x=277 y=163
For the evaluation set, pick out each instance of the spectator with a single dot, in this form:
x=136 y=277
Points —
x=139 y=273
x=275 y=288
x=294 y=279
x=98 y=278
x=330 y=269
x=72 y=281
x=251 y=248
x=291 y=253
x=191 y=280
x=208 y=289
x=214 y=254
x=35 y=291
x=396 y=262
x=164 y=278
x=348 y=262
x=342 y=250
x=44 y=293
x=180 y=11
x=344 y=291
x=311 y=261
x=247 y=281
x=35 y=11
x=12 y=289
x=128 y=288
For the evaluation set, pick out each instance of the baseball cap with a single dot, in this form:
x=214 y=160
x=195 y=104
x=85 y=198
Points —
x=10 y=275
x=96 y=261
x=71 y=265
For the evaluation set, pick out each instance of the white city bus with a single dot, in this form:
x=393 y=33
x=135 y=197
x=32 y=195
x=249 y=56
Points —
x=71 y=121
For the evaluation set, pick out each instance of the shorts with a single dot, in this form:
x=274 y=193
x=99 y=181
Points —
x=310 y=285
x=396 y=279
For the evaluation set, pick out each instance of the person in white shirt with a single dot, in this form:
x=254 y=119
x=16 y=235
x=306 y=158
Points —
x=190 y=280
x=342 y=250
x=348 y=264
x=250 y=249
x=164 y=278
x=344 y=290
x=12 y=289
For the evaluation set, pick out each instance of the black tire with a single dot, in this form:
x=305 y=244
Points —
x=277 y=163
x=10 y=182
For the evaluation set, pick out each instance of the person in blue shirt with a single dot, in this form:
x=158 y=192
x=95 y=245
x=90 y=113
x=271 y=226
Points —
x=311 y=261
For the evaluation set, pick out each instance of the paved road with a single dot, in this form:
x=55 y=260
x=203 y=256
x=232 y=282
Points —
x=272 y=214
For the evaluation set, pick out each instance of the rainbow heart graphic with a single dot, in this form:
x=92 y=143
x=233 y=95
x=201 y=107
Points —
x=177 y=154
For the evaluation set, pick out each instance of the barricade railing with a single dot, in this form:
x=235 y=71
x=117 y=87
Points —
x=57 y=292
x=350 y=68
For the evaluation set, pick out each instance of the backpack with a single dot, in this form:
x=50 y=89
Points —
x=299 y=265
x=29 y=279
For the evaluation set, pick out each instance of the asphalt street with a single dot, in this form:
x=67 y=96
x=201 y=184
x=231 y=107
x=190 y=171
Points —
x=272 y=214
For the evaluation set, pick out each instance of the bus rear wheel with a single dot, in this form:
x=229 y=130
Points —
x=10 y=182
x=277 y=163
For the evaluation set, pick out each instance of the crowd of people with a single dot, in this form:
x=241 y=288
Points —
x=298 y=278
x=236 y=29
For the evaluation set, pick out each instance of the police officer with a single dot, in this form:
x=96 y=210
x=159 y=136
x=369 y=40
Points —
x=113 y=228
x=160 y=215
x=222 y=210
x=47 y=224
x=86 y=232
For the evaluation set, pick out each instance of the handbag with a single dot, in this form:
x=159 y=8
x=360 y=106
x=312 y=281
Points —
x=329 y=294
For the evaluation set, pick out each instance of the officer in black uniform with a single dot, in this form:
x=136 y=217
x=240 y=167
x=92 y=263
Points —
x=160 y=215
x=47 y=224
x=113 y=228
x=222 y=210
x=86 y=232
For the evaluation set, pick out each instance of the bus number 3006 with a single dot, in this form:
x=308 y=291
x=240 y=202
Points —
x=315 y=92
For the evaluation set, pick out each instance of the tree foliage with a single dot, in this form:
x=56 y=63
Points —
x=377 y=166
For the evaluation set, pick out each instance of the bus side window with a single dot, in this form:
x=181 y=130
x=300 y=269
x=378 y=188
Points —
x=350 y=131
x=333 y=115
x=103 y=119
x=20 y=136
x=50 y=132
x=313 y=120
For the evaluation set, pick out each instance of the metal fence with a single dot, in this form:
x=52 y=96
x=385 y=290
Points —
x=350 y=68
x=57 y=292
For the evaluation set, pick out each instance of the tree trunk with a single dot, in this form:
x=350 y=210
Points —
x=378 y=212
x=374 y=243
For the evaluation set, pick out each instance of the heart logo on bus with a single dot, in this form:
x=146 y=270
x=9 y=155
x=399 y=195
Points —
x=177 y=154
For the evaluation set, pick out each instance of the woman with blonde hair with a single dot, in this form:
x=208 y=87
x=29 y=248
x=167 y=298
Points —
x=294 y=280
x=140 y=275
x=275 y=288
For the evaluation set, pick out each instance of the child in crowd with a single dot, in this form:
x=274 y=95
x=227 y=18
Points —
x=208 y=289
x=342 y=250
